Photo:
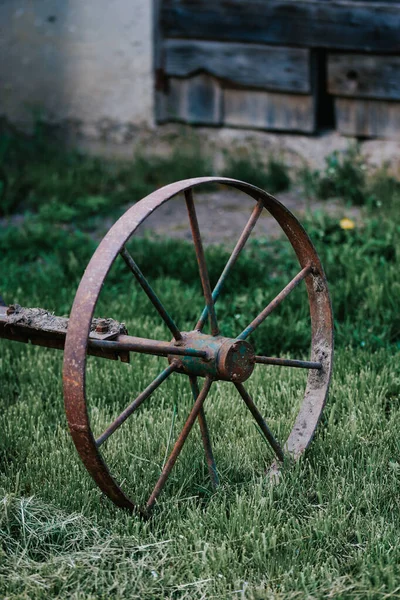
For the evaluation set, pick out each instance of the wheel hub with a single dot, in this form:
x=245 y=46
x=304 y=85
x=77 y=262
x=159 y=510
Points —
x=228 y=359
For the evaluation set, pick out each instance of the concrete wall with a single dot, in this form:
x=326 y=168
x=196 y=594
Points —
x=88 y=63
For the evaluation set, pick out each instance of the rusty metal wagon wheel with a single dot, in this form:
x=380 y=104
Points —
x=194 y=353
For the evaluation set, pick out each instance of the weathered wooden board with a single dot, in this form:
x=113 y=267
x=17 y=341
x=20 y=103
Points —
x=341 y=24
x=195 y=100
x=362 y=76
x=253 y=65
x=368 y=118
x=268 y=110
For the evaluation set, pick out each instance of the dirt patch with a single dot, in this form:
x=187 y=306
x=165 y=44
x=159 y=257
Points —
x=223 y=214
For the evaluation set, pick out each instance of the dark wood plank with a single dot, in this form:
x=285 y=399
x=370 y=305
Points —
x=344 y=25
x=252 y=65
x=269 y=110
x=195 y=100
x=362 y=76
x=368 y=118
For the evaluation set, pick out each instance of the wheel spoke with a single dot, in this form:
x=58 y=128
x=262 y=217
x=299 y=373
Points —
x=205 y=435
x=205 y=281
x=232 y=259
x=135 y=404
x=275 y=302
x=288 y=362
x=179 y=443
x=151 y=294
x=260 y=421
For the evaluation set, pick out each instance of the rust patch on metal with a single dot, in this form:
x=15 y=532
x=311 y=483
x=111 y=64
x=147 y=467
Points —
x=226 y=358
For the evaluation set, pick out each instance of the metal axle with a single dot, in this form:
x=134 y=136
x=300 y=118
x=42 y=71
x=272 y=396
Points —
x=227 y=358
x=39 y=327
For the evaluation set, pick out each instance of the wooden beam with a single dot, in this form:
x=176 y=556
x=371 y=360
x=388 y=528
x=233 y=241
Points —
x=362 y=76
x=368 y=118
x=339 y=24
x=196 y=100
x=275 y=68
x=267 y=110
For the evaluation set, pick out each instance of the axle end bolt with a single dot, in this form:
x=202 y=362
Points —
x=102 y=326
x=13 y=308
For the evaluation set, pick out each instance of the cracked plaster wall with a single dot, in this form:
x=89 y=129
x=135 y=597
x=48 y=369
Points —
x=85 y=63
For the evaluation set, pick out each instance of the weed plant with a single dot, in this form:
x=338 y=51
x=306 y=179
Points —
x=344 y=176
x=272 y=176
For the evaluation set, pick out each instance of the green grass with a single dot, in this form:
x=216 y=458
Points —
x=329 y=529
x=332 y=523
x=37 y=174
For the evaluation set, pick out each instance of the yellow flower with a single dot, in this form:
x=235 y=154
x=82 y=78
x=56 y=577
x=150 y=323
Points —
x=347 y=223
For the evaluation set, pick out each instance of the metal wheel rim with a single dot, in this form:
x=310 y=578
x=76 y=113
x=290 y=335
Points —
x=75 y=352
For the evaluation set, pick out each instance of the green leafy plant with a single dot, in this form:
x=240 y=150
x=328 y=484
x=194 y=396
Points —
x=272 y=177
x=43 y=176
x=384 y=192
x=344 y=176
